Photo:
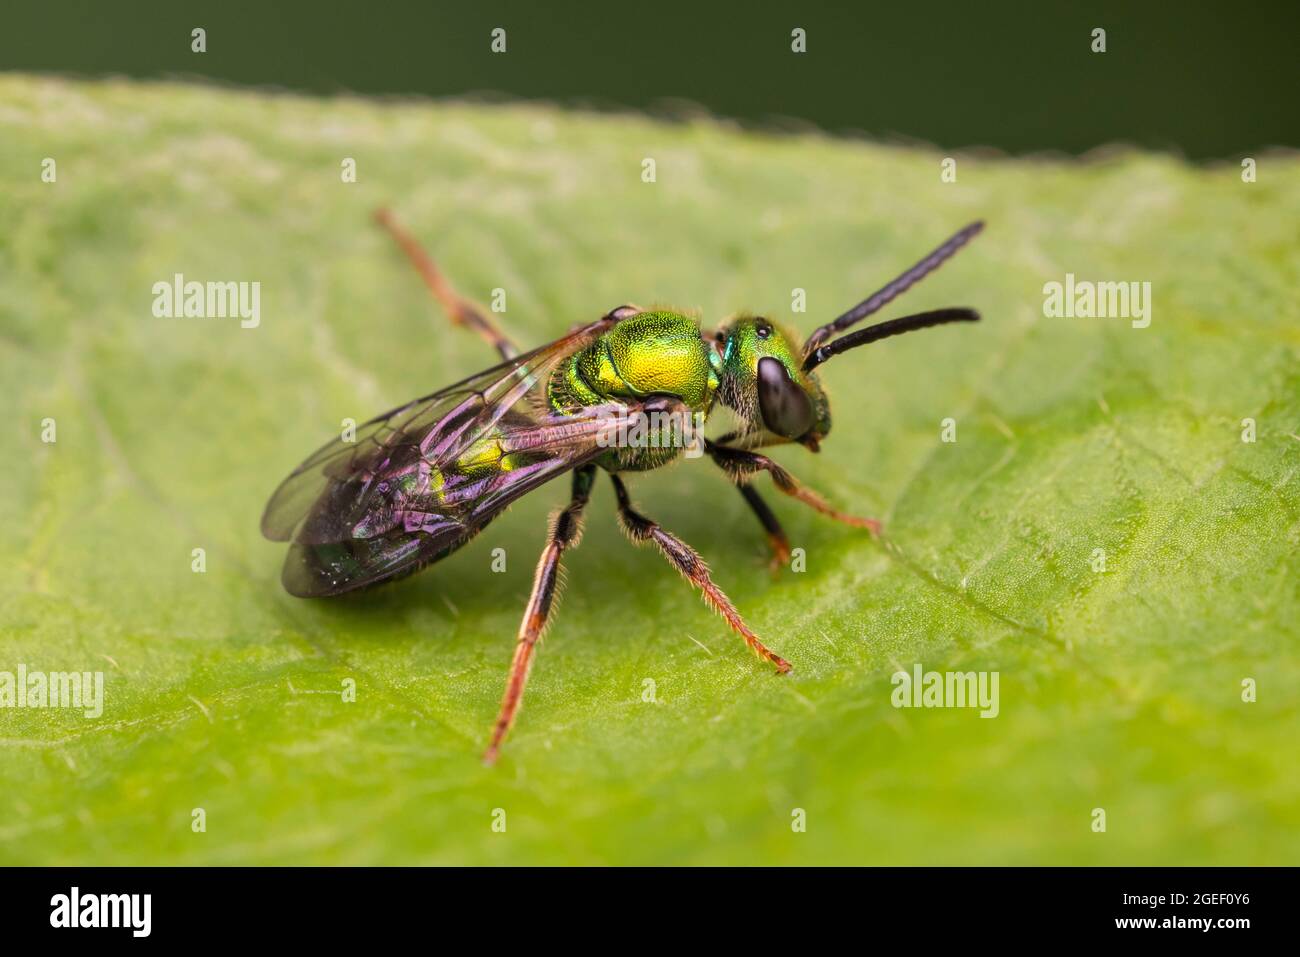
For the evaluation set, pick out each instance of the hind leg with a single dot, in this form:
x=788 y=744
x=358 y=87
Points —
x=566 y=529
x=459 y=310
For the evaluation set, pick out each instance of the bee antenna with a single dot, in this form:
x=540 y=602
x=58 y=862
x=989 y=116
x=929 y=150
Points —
x=887 y=294
x=883 y=330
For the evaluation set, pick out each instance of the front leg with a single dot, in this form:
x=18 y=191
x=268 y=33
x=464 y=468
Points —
x=740 y=465
x=776 y=537
x=566 y=528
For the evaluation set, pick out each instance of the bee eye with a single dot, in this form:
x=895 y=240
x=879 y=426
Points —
x=784 y=405
x=762 y=329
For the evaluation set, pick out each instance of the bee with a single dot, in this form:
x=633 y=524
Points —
x=417 y=483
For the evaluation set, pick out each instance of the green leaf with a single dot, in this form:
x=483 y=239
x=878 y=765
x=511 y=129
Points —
x=1119 y=690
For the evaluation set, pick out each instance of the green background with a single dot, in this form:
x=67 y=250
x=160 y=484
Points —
x=1208 y=79
x=1119 y=690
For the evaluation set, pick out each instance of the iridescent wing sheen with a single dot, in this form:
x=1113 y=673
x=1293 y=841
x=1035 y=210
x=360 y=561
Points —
x=421 y=480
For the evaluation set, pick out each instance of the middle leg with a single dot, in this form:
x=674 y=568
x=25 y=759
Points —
x=688 y=562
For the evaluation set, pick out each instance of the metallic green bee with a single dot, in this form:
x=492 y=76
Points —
x=420 y=481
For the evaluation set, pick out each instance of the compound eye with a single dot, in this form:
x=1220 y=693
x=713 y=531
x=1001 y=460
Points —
x=785 y=406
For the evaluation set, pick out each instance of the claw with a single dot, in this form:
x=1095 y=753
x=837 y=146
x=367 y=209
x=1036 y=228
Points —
x=780 y=554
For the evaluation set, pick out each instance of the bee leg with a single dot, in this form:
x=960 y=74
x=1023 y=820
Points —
x=566 y=529
x=688 y=562
x=776 y=539
x=740 y=464
x=461 y=311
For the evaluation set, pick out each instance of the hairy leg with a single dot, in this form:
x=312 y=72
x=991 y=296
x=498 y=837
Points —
x=685 y=560
x=460 y=310
x=566 y=529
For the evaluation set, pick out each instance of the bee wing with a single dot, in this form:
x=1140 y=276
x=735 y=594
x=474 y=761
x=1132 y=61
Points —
x=423 y=479
x=424 y=514
x=436 y=429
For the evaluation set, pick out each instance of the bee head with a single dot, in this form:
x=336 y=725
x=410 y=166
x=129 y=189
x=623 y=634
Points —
x=763 y=381
x=767 y=373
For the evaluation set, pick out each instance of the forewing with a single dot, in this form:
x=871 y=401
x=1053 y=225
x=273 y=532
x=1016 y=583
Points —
x=436 y=428
x=422 y=479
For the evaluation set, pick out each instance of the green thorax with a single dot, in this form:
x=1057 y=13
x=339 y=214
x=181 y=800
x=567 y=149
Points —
x=651 y=353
